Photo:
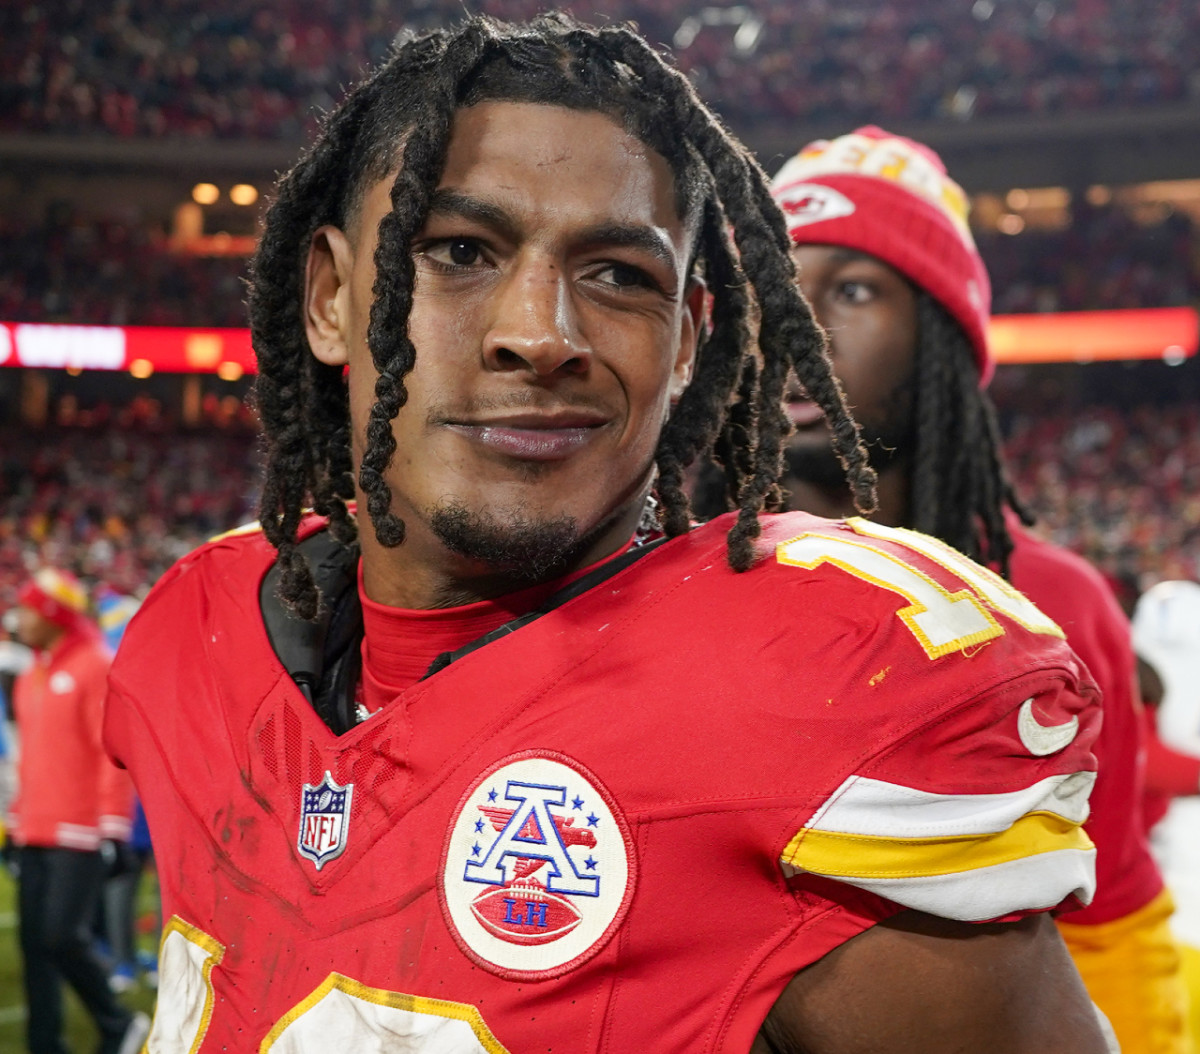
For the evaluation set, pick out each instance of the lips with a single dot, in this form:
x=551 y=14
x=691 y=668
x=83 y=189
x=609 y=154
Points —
x=803 y=412
x=533 y=437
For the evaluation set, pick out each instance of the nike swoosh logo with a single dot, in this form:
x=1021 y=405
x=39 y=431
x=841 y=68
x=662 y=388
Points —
x=1041 y=740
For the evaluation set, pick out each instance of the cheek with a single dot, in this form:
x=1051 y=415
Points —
x=886 y=362
x=648 y=388
x=441 y=325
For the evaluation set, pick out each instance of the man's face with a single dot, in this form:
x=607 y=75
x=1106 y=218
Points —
x=869 y=311
x=34 y=630
x=554 y=323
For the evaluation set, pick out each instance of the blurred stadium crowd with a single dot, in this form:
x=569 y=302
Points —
x=206 y=68
x=108 y=273
x=1120 y=487
x=118 y=501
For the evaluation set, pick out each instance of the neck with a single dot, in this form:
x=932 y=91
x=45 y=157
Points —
x=835 y=502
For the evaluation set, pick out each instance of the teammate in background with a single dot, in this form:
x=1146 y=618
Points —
x=72 y=803
x=1170 y=774
x=1166 y=634
x=15 y=659
x=887 y=262
x=116 y=923
x=509 y=780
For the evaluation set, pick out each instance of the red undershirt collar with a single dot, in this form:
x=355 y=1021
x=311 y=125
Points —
x=400 y=643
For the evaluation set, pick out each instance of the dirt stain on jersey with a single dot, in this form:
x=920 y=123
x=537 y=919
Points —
x=878 y=678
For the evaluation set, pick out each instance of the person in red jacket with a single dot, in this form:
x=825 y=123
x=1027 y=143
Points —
x=71 y=812
x=886 y=259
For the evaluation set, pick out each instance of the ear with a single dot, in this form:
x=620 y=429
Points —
x=327 y=296
x=690 y=323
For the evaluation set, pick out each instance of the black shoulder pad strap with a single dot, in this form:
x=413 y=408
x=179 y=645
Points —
x=322 y=656
x=569 y=592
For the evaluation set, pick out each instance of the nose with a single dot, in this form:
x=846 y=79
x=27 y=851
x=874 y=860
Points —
x=534 y=326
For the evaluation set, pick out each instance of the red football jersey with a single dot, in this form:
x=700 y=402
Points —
x=1073 y=593
x=624 y=826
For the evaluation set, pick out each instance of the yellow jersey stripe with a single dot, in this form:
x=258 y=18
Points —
x=840 y=855
x=1031 y=883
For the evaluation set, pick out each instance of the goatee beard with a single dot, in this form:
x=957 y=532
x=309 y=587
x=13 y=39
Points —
x=819 y=465
x=523 y=549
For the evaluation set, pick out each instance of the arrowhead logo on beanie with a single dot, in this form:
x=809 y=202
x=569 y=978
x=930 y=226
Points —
x=805 y=203
x=890 y=197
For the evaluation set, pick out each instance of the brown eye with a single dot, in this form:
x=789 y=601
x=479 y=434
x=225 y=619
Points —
x=463 y=253
x=856 y=292
x=625 y=277
x=454 y=254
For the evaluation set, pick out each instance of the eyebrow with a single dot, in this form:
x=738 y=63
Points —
x=632 y=236
x=619 y=235
x=452 y=203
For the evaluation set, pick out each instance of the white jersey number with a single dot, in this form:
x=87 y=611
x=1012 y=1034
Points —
x=943 y=620
x=341 y=1014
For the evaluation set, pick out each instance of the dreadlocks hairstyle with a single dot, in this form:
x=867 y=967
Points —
x=401 y=117
x=959 y=483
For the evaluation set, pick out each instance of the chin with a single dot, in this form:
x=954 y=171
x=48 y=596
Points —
x=814 y=463
x=522 y=545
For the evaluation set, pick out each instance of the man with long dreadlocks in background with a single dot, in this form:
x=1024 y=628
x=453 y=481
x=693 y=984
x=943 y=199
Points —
x=887 y=262
x=495 y=768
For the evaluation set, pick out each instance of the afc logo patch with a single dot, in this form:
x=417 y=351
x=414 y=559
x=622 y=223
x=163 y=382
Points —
x=538 y=870
x=324 y=820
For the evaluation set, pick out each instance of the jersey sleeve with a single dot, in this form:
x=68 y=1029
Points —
x=976 y=816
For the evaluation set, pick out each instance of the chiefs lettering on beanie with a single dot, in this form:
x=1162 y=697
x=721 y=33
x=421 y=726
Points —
x=890 y=197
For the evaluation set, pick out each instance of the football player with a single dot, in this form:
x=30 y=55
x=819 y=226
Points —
x=886 y=259
x=507 y=762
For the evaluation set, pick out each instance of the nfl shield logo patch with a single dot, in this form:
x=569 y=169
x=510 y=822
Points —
x=324 y=820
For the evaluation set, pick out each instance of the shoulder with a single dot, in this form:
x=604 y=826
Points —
x=891 y=639
x=236 y=560
x=217 y=583
x=1041 y=568
x=1073 y=592
x=911 y=584
x=854 y=590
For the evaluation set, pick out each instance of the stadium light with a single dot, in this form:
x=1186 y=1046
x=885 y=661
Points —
x=243 y=194
x=141 y=368
x=205 y=194
x=1165 y=333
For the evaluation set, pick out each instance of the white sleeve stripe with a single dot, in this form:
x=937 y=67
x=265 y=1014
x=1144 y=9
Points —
x=1031 y=883
x=889 y=810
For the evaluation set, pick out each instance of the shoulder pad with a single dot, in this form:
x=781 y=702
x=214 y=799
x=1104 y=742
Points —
x=321 y=656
